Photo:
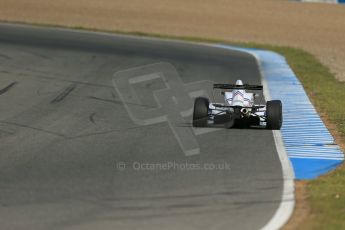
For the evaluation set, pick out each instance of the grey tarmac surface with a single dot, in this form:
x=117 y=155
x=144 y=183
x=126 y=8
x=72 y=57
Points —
x=65 y=133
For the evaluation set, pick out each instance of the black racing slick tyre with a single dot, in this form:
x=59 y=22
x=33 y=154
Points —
x=274 y=115
x=200 y=113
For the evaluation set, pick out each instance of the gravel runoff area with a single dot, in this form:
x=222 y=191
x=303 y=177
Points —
x=317 y=28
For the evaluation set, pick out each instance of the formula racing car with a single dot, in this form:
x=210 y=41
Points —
x=239 y=108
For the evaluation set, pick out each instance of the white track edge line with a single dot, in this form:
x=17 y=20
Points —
x=287 y=204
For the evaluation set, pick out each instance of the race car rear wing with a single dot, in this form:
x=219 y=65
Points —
x=218 y=105
x=233 y=86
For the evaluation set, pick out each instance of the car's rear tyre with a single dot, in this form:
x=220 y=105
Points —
x=200 y=113
x=274 y=114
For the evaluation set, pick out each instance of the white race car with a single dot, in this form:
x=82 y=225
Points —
x=238 y=109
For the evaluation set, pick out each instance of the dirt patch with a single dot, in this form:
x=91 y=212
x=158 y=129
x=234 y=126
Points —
x=317 y=28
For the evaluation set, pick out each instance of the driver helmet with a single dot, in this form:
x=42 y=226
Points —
x=239 y=83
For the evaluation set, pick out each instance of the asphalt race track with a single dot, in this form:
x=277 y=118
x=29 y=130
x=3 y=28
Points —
x=71 y=145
